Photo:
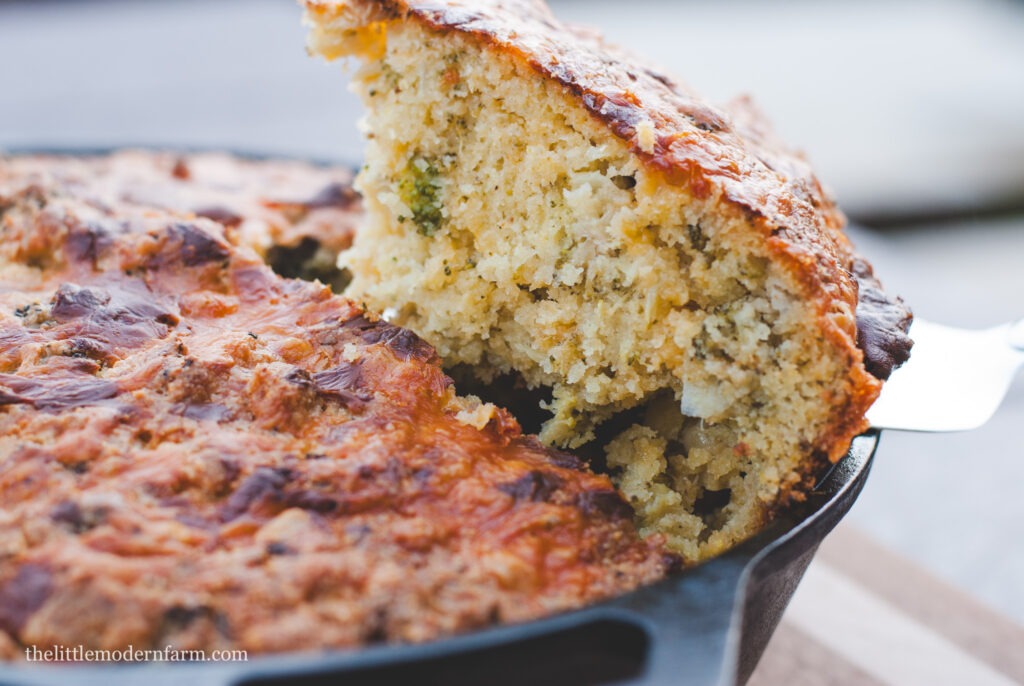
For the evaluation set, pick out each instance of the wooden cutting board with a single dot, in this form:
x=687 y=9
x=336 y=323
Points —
x=866 y=616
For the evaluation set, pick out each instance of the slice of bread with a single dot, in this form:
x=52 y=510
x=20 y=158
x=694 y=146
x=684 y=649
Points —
x=545 y=205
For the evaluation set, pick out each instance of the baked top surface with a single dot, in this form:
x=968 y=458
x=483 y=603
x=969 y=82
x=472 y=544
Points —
x=260 y=203
x=198 y=452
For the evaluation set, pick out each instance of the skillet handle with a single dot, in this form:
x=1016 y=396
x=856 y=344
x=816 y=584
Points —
x=692 y=623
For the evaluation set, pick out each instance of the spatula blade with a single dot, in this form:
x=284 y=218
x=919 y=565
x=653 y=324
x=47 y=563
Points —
x=954 y=380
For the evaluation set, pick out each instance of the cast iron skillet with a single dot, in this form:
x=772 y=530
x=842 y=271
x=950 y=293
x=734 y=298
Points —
x=705 y=626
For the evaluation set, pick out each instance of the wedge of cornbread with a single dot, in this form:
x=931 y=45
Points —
x=547 y=206
x=198 y=453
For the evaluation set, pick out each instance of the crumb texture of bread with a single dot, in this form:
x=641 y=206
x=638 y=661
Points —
x=542 y=204
x=196 y=452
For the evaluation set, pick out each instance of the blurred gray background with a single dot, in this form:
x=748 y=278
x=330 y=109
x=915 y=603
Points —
x=913 y=112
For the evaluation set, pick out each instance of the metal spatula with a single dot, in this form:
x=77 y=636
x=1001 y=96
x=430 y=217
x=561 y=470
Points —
x=954 y=379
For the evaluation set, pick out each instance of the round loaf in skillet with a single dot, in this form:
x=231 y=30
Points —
x=544 y=205
x=196 y=452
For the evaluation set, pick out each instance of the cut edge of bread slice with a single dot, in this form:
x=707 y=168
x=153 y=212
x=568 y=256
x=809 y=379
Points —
x=544 y=205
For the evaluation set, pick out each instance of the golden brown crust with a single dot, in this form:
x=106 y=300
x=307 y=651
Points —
x=728 y=155
x=197 y=452
x=261 y=204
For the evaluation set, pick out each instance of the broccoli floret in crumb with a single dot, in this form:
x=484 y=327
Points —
x=420 y=190
x=390 y=76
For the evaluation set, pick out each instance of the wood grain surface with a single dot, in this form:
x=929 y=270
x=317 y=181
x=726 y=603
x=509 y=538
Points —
x=865 y=615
